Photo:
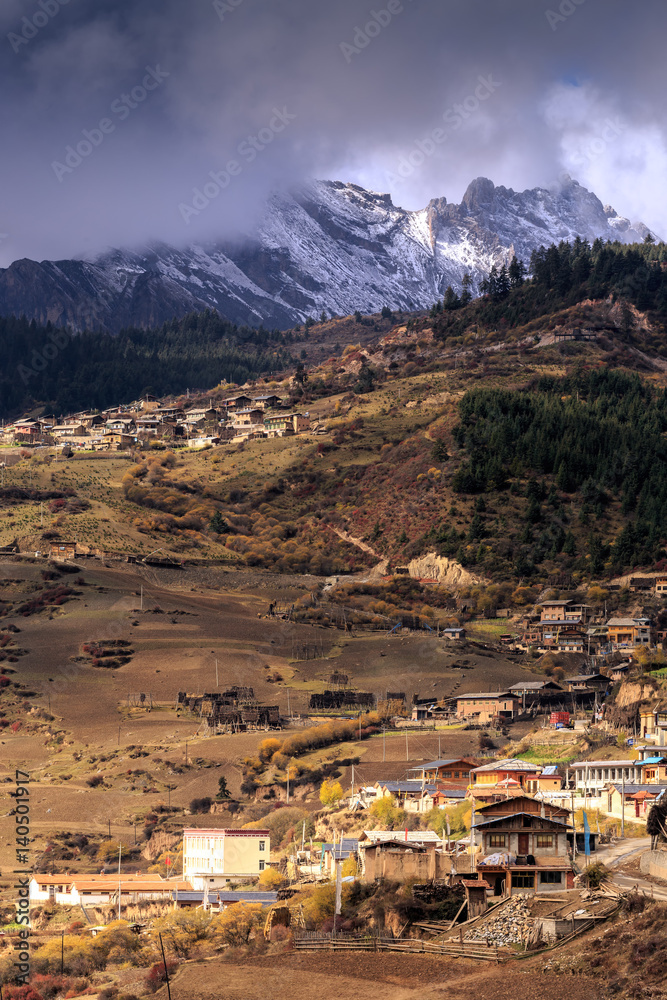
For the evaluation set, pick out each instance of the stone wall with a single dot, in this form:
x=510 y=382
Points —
x=654 y=863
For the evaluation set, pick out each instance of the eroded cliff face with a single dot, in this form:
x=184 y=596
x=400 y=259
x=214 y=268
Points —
x=447 y=572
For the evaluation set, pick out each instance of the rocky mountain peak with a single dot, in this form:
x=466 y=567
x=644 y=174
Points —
x=330 y=246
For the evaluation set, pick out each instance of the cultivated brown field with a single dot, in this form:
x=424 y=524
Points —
x=95 y=733
x=356 y=976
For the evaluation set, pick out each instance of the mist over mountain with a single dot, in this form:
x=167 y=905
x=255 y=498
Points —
x=329 y=246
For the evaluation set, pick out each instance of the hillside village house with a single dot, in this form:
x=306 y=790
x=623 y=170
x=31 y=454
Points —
x=487 y=707
x=338 y=852
x=592 y=776
x=538 y=693
x=452 y=771
x=637 y=799
x=239 y=402
x=201 y=414
x=217 y=857
x=653 y=722
x=115 y=441
x=413 y=796
x=266 y=402
x=125 y=425
x=280 y=424
x=625 y=633
x=68 y=430
x=62 y=550
x=586 y=683
x=565 y=611
x=100 y=890
x=524 y=846
x=548 y=781
x=501 y=778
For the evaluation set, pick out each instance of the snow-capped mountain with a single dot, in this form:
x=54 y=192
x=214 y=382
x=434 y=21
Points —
x=330 y=246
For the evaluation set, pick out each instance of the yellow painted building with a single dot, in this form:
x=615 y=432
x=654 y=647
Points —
x=217 y=857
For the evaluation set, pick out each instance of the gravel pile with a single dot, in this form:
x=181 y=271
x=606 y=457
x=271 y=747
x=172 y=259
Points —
x=511 y=926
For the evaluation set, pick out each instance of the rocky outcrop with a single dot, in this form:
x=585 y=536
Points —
x=159 y=843
x=446 y=572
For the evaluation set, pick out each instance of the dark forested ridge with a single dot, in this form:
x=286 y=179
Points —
x=595 y=434
x=67 y=372
x=562 y=276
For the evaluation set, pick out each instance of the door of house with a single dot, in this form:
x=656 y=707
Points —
x=524 y=843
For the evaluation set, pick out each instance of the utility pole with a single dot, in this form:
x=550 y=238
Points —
x=120 y=848
x=166 y=973
x=622 y=802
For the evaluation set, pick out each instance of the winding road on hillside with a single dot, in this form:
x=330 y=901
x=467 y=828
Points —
x=617 y=855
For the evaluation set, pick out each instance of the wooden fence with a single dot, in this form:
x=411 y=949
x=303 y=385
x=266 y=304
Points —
x=343 y=942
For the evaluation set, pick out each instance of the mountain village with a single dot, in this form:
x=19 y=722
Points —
x=238 y=418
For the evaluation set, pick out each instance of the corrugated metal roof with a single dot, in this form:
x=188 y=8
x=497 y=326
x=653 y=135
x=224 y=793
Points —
x=197 y=896
x=630 y=788
x=413 y=836
x=509 y=764
x=407 y=786
x=605 y=763
x=484 y=694
x=439 y=763
x=550 y=769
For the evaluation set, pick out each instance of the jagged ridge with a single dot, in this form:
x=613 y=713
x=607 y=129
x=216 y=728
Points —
x=330 y=246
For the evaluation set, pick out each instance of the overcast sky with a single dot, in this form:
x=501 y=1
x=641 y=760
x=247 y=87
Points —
x=542 y=87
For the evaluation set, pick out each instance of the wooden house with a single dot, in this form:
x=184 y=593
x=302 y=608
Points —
x=524 y=846
x=451 y=771
x=625 y=633
x=501 y=777
x=489 y=706
x=281 y=424
x=239 y=402
x=62 y=550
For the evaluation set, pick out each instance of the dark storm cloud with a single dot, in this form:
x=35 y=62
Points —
x=115 y=114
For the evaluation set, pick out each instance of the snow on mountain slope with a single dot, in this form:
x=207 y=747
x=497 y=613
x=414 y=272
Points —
x=330 y=246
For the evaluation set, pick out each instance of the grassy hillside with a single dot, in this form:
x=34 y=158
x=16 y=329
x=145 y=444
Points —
x=473 y=435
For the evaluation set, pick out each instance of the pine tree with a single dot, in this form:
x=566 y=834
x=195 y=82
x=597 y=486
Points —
x=466 y=293
x=517 y=273
x=502 y=283
x=451 y=300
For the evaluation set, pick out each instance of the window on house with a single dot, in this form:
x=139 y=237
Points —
x=456 y=774
x=520 y=881
x=551 y=878
x=262 y=845
x=545 y=840
x=262 y=866
x=497 y=840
